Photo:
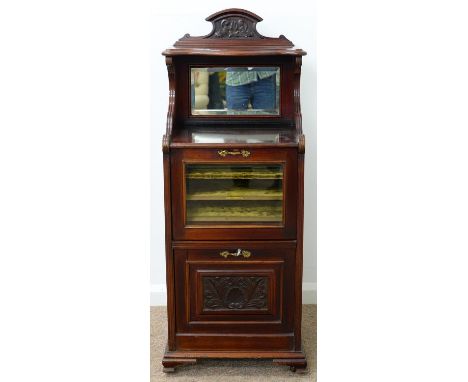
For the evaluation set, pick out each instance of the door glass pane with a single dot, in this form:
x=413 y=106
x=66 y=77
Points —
x=234 y=193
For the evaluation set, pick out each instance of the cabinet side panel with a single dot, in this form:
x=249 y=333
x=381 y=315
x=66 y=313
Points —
x=169 y=255
x=299 y=252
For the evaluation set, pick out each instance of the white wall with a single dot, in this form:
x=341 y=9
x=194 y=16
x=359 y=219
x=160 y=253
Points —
x=170 y=21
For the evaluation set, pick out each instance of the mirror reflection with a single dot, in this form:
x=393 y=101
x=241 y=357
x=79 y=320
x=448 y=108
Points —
x=235 y=90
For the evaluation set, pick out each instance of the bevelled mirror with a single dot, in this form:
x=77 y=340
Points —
x=237 y=90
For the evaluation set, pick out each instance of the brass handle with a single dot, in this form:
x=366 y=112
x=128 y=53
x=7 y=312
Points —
x=224 y=153
x=240 y=252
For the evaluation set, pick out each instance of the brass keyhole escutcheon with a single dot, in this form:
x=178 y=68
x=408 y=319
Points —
x=240 y=252
x=224 y=153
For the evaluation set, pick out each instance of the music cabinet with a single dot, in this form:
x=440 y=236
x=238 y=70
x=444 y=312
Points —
x=233 y=156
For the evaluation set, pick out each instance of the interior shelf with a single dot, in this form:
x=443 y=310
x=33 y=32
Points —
x=197 y=212
x=237 y=193
x=237 y=172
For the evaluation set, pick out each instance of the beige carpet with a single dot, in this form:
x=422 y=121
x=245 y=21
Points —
x=233 y=370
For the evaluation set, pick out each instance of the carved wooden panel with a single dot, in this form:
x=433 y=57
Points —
x=235 y=293
x=234 y=23
x=235 y=27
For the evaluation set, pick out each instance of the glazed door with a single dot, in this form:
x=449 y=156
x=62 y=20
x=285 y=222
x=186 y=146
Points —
x=234 y=194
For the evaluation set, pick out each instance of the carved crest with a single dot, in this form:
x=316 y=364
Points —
x=233 y=29
x=234 y=23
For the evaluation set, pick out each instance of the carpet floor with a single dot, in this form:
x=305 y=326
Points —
x=233 y=370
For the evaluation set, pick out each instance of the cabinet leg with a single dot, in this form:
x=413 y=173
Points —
x=169 y=364
x=298 y=365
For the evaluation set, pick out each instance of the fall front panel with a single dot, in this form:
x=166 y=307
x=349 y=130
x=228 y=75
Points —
x=235 y=290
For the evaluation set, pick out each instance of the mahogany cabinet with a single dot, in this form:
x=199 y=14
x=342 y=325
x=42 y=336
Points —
x=233 y=157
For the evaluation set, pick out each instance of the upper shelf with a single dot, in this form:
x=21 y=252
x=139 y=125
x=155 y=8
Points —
x=222 y=135
x=234 y=33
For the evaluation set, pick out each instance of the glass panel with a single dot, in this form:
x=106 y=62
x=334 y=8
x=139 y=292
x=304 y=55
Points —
x=233 y=137
x=235 y=90
x=234 y=193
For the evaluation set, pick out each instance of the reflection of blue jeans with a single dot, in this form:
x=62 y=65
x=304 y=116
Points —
x=192 y=91
x=261 y=93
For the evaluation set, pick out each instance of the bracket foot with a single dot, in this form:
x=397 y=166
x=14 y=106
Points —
x=169 y=364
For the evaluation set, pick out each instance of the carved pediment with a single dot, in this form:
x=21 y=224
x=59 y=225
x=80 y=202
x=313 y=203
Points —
x=234 y=23
x=234 y=33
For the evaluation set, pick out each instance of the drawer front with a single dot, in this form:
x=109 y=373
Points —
x=235 y=287
x=234 y=194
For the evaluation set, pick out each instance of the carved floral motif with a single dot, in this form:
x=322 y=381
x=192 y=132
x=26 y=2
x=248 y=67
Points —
x=220 y=293
x=234 y=27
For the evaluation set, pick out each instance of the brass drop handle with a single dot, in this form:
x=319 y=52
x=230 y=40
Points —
x=224 y=153
x=240 y=252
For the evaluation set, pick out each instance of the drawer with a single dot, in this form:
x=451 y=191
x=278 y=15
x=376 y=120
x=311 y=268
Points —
x=245 y=193
x=234 y=287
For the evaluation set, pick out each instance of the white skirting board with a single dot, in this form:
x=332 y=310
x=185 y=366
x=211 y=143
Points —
x=158 y=294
